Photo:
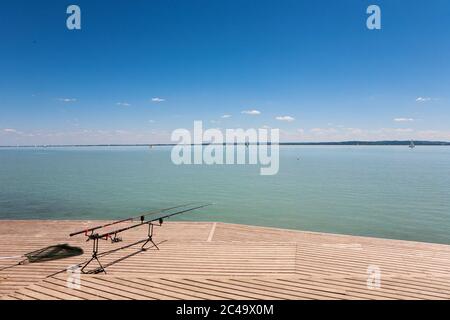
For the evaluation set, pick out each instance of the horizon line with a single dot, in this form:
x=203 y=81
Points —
x=348 y=142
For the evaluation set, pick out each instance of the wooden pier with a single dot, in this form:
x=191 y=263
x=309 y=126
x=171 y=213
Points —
x=208 y=260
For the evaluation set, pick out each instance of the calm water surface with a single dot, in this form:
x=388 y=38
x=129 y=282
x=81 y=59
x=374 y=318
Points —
x=390 y=192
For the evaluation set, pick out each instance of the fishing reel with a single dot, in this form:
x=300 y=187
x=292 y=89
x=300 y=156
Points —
x=116 y=239
x=160 y=220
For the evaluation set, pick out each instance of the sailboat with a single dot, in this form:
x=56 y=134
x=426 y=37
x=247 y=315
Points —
x=412 y=145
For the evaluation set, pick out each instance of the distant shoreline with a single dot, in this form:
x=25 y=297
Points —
x=342 y=143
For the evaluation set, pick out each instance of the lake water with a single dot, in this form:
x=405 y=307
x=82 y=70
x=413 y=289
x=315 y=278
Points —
x=389 y=192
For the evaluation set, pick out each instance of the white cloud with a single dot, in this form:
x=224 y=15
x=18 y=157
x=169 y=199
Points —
x=67 y=99
x=433 y=135
x=401 y=130
x=151 y=121
x=123 y=104
x=156 y=99
x=354 y=131
x=285 y=118
x=83 y=136
x=11 y=136
x=322 y=134
x=121 y=132
x=403 y=119
x=251 y=112
x=323 y=131
x=225 y=116
x=423 y=99
x=13 y=132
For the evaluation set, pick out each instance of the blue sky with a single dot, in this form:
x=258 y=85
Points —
x=138 y=70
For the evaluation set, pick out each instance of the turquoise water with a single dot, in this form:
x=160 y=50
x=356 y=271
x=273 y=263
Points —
x=389 y=192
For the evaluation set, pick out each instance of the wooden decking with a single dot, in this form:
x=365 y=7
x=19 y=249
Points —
x=225 y=261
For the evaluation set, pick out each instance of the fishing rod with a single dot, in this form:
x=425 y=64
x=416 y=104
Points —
x=159 y=219
x=85 y=231
x=113 y=234
x=61 y=251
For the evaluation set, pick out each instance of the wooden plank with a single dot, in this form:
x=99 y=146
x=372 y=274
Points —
x=204 y=260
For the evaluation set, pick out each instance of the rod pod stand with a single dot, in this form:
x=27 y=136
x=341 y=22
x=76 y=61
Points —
x=95 y=239
x=149 y=238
